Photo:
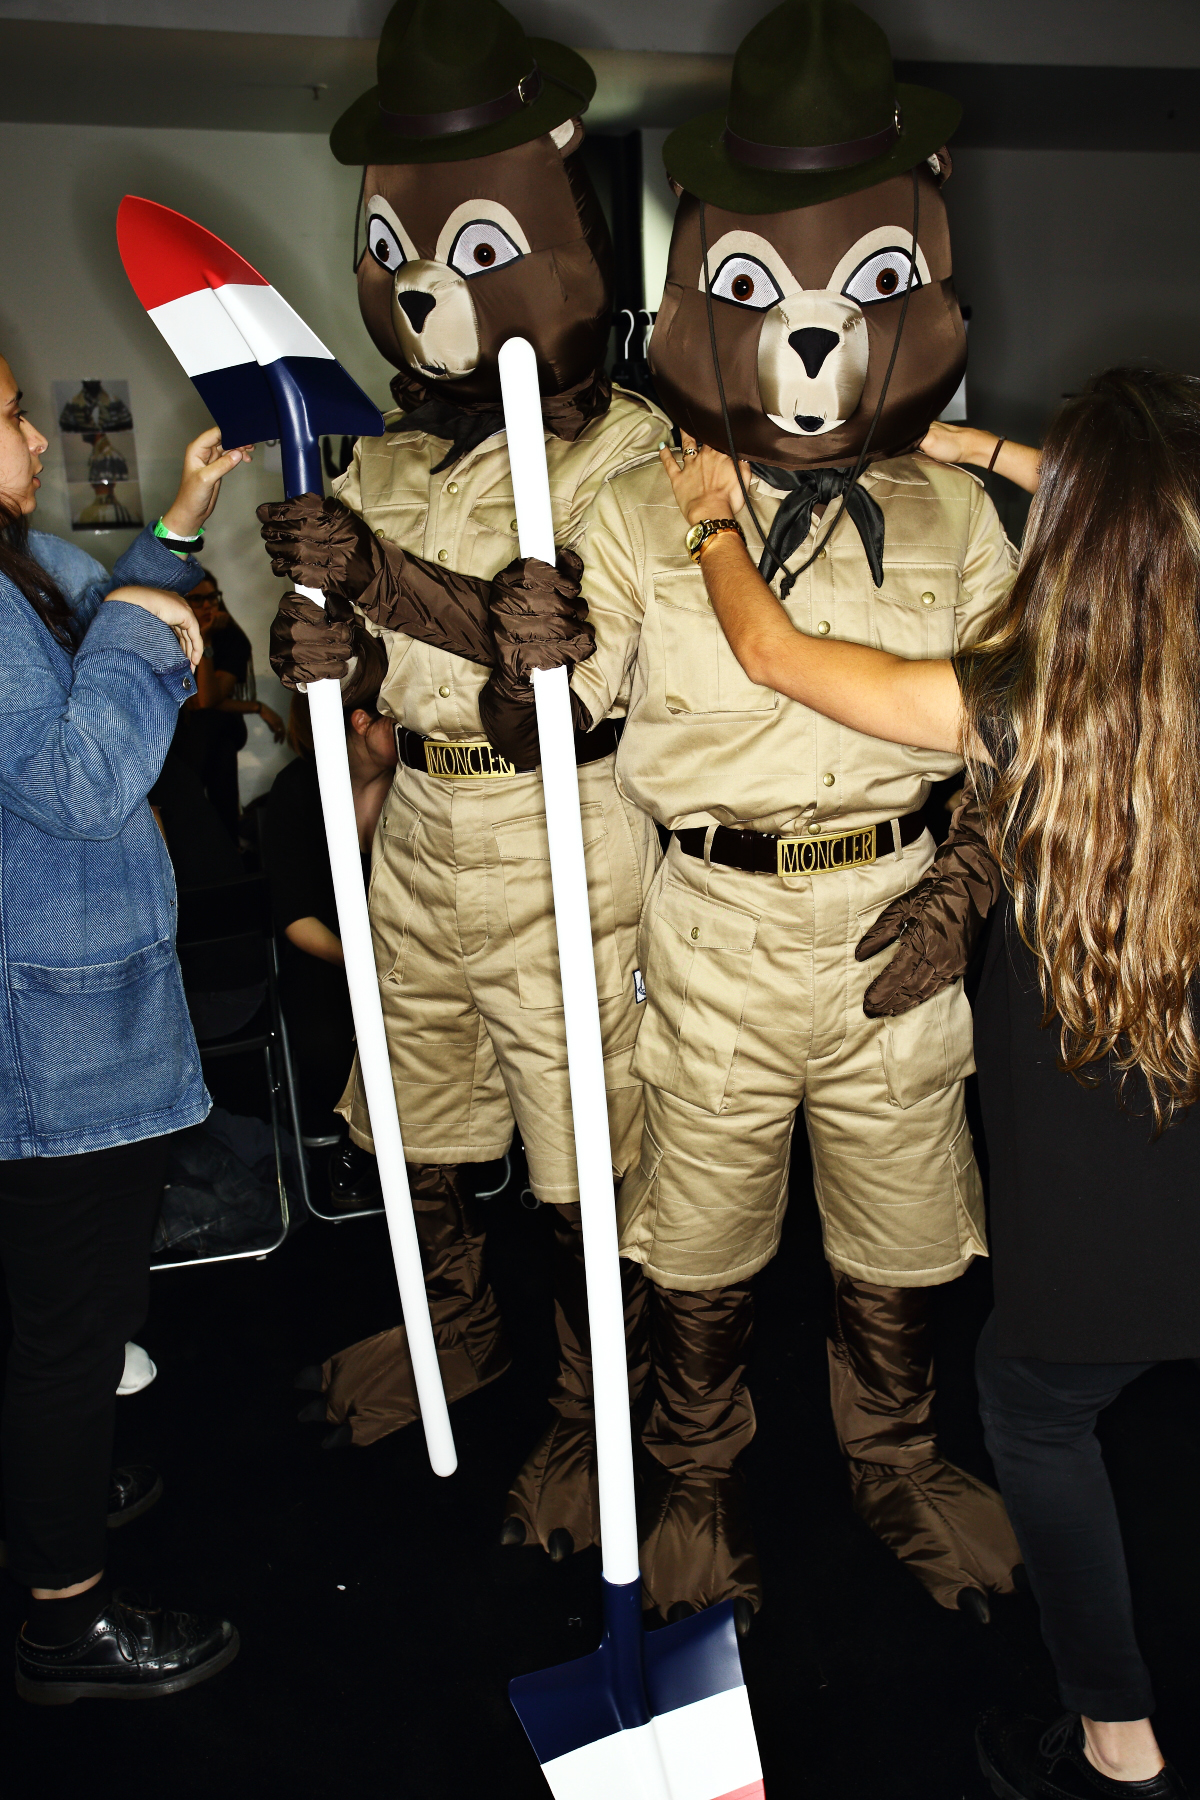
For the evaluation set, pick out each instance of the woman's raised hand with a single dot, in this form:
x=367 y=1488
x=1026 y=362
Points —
x=705 y=482
x=205 y=464
x=172 y=611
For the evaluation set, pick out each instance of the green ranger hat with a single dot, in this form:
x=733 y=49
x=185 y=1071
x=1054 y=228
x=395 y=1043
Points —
x=459 y=78
x=815 y=111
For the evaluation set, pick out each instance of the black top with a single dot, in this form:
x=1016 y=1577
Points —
x=231 y=653
x=297 y=857
x=1095 y=1223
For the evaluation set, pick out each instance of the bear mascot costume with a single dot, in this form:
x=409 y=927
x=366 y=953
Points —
x=481 y=224
x=809 y=326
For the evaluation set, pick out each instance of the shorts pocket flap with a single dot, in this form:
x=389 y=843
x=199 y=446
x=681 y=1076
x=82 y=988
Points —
x=525 y=840
x=705 y=924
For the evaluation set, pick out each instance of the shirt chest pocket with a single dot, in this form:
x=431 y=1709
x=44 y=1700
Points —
x=914 y=613
x=398 y=521
x=700 y=672
x=491 y=531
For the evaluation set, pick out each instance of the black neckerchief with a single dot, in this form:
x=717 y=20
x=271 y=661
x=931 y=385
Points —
x=804 y=489
x=467 y=423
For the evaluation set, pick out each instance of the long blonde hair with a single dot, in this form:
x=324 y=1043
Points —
x=1087 y=695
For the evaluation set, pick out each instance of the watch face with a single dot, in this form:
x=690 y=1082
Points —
x=694 y=537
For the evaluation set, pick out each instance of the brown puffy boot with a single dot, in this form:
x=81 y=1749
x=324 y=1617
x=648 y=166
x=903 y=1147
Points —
x=369 y=1389
x=697 y=1546
x=949 y=1529
x=553 y=1501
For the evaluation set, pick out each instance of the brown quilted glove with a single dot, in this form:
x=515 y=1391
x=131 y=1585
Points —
x=938 y=923
x=539 y=621
x=310 y=643
x=320 y=543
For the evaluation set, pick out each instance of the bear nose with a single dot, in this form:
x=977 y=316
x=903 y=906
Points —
x=417 y=308
x=812 y=345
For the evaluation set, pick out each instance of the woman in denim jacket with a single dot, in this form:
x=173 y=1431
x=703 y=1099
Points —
x=98 y=1060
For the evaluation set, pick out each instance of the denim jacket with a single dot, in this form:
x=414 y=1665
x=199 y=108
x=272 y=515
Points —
x=96 y=1046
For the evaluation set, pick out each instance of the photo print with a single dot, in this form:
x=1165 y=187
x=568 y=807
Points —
x=95 y=425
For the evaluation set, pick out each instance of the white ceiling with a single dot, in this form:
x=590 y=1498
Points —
x=1150 y=33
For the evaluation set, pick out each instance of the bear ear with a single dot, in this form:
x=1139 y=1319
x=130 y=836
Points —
x=941 y=166
x=568 y=136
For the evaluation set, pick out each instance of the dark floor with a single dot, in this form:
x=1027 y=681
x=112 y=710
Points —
x=380 y=1621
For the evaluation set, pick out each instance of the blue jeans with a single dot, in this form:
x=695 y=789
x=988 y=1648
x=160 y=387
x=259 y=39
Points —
x=1039 y=1420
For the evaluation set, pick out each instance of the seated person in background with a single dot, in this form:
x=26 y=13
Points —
x=316 y=1002
x=195 y=798
x=212 y=726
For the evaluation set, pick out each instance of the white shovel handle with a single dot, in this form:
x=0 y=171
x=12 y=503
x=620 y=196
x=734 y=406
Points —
x=585 y=1053
x=341 y=831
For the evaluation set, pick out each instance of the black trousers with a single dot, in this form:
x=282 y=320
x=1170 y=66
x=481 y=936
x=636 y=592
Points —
x=1040 y=1424
x=75 y=1246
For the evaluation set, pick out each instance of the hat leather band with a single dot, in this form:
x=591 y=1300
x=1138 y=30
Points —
x=810 y=158
x=465 y=118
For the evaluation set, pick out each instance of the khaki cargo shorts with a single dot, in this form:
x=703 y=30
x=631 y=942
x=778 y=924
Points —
x=463 y=921
x=754 y=1007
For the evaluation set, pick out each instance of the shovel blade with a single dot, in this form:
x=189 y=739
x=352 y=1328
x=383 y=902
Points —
x=697 y=1742
x=255 y=363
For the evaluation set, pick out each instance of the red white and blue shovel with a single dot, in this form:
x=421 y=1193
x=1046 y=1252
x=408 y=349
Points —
x=663 y=1716
x=263 y=374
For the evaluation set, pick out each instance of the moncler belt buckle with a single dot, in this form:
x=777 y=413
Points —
x=814 y=855
x=465 y=762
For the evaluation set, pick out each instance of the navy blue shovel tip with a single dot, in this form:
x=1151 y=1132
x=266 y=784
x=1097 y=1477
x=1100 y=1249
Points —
x=630 y=1679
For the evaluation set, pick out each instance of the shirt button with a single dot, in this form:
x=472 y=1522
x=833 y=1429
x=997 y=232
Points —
x=828 y=780
x=814 y=828
x=823 y=628
x=927 y=599
x=821 y=554
x=443 y=556
x=452 y=487
x=444 y=691
x=695 y=931
x=512 y=524
x=379 y=532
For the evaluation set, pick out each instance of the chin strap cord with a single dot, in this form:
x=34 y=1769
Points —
x=862 y=455
x=362 y=188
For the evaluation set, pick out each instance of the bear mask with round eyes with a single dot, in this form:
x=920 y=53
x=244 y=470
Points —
x=462 y=255
x=806 y=306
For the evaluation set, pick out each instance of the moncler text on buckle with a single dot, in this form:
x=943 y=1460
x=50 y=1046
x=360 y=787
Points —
x=814 y=855
x=458 y=762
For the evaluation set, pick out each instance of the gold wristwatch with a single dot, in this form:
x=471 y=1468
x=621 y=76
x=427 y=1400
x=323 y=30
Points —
x=698 y=535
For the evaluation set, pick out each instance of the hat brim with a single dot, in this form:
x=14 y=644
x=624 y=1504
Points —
x=697 y=157
x=568 y=84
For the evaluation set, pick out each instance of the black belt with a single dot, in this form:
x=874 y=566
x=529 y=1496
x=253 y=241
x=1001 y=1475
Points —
x=458 y=761
x=765 y=853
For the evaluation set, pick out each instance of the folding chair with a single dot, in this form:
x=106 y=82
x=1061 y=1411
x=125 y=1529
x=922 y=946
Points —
x=230 y=977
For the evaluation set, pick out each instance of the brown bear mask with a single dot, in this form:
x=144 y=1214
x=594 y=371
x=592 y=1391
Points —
x=463 y=255
x=806 y=306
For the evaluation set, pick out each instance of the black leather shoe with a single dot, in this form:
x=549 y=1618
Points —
x=354 y=1179
x=128 y=1653
x=1025 y=1759
x=131 y=1492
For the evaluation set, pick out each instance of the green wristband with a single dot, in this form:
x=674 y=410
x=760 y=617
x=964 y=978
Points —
x=186 y=545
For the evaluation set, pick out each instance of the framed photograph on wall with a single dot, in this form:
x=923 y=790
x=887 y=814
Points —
x=95 y=425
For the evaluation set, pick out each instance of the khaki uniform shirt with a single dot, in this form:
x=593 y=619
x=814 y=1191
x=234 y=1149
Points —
x=703 y=745
x=465 y=518
x=461 y=905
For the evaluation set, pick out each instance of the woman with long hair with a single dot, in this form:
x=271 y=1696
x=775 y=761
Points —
x=1079 y=721
x=98 y=1060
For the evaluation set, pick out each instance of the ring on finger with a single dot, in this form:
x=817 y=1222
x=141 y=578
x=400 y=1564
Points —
x=690 y=452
